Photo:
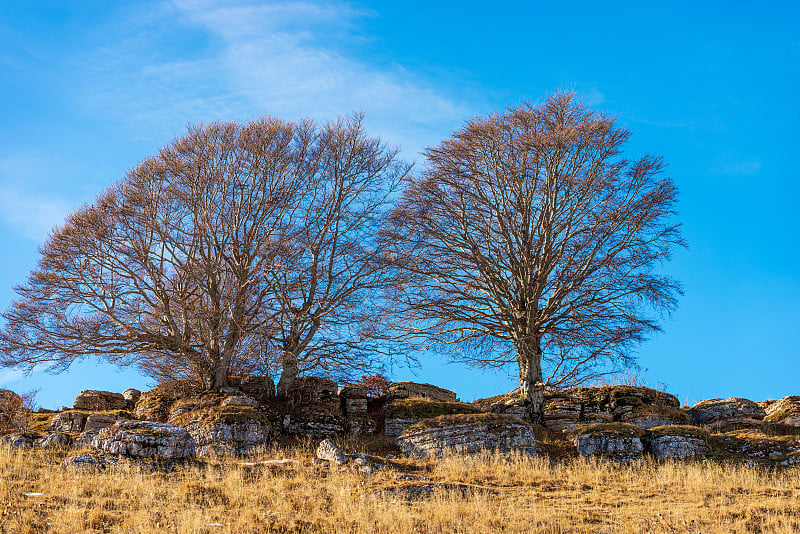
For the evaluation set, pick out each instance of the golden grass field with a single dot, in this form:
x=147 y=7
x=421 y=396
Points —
x=487 y=494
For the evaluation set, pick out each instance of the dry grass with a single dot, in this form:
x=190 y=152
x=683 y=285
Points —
x=487 y=494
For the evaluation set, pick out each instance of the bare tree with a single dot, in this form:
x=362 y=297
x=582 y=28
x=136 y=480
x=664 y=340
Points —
x=322 y=302
x=530 y=239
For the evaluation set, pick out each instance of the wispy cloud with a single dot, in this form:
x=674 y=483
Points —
x=23 y=207
x=291 y=59
x=8 y=376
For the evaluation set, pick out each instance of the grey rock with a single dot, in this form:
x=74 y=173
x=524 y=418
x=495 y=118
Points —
x=54 y=440
x=468 y=434
x=673 y=446
x=326 y=450
x=714 y=410
x=221 y=438
x=405 y=390
x=68 y=422
x=84 y=440
x=146 y=439
x=609 y=445
x=393 y=427
x=313 y=424
x=18 y=441
x=93 y=462
x=99 y=401
x=96 y=422
x=131 y=395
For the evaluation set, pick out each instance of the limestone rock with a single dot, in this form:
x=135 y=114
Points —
x=672 y=442
x=405 y=390
x=54 y=440
x=314 y=423
x=649 y=416
x=72 y=422
x=259 y=387
x=94 y=462
x=785 y=411
x=617 y=441
x=327 y=451
x=240 y=400
x=18 y=441
x=403 y=413
x=84 y=440
x=131 y=395
x=363 y=426
x=468 y=434
x=223 y=437
x=562 y=413
x=99 y=401
x=313 y=390
x=354 y=400
x=711 y=411
x=96 y=422
x=155 y=405
x=142 y=439
x=755 y=447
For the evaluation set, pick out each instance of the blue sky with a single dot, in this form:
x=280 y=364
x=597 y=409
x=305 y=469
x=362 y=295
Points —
x=88 y=89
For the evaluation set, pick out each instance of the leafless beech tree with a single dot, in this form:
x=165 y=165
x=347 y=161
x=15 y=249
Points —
x=531 y=239
x=177 y=268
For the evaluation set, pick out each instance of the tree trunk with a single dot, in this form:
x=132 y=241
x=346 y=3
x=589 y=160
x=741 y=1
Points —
x=290 y=370
x=531 y=386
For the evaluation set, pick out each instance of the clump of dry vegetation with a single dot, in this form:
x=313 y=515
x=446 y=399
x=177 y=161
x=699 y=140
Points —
x=479 y=494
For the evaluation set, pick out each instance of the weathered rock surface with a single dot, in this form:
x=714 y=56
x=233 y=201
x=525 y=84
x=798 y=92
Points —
x=95 y=422
x=617 y=441
x=403 y=413
x=406 y=390
x=785 y=411
x=313 y=390
x=68 y=422
x=648 y=416
x=240 y=400
x=354 y=400
x=757 y=447
x=94 y=462
x=361 y=426
x=54 y=440
x=329 y=452
x=99 y=401
x=146 y=439
x=84 y=440
x=131 y=396
x=313 y=422
x=711 y=411
x=155 y=405
x=18 y=441
x=673 y=442
x=468 y=434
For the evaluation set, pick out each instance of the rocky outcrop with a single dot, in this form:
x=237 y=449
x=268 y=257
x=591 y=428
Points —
x=755 y=447
x=18 y=441
x=131 y=396
x=223 y=432
x=729 y=412
x=354 y=400
x=313 y=390
x=54 y=440
x=72 y=422
x=785 y=411
x=95 y=422
x=674 y=442
x=329 y=452
x=99 y=401
x=649 y=416
x=146 y=439
x=314 y=422
x=468 y=434
x=156 y=404
x=407 y=390
x=403 y=413
x=616 y=441
x=89 y=461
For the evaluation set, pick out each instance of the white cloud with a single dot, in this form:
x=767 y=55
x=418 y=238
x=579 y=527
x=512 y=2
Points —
x=288 y=59
x=8 y=376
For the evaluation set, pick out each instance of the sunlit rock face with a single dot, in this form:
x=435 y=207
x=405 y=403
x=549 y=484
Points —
x=146 y=439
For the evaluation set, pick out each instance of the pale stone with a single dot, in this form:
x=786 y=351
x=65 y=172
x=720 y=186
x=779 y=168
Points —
x=94 y=462
x=96 y=422
x=242 y=439
x=617 y=447
x=146 y=439
x=714 y=410
x=99 y=401
x=327 y=451
x=54 y=440
x=666 y=446
x=785 y=411
x=395 y=426
x=131 y=395
x=68 y=422
x=468 y=434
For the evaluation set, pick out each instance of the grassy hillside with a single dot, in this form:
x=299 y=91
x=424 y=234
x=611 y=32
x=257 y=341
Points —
x=487 y=494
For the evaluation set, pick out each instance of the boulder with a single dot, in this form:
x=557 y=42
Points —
x=88 y=461
x=232 y=429
x=145 y=439
x=99 y=401
x=785 y=411
x=131 y=396
x=155 y=405
x=406 y=390
x=403 y=413
x=617 y=441
x=314 y=390
x=96 y=422
x=649 y=416
x=18 y=441
x=72 y=422
x=732 y=410
x=329 y=452
x=676 y=441
x=468 y=434
x=54 y=440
